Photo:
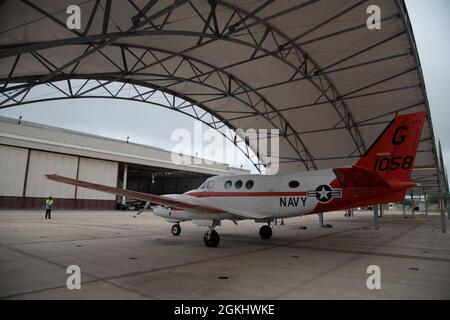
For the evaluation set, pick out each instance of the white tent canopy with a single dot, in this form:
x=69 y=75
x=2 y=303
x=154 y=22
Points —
x=310 y=68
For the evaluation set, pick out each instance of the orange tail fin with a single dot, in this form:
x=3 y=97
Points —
x=392 y=155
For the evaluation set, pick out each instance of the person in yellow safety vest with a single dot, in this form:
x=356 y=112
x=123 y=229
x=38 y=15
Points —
x=48 y=207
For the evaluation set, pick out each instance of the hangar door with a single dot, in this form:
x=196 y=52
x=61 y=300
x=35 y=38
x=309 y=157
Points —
x=24 y=184
x=13 y=163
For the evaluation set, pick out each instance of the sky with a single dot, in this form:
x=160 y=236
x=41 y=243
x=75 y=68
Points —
x=154 y=126
x=431 y=25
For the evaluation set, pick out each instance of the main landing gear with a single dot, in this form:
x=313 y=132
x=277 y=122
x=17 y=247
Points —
x=211 y=238
x=176 y=229
x=265 y=232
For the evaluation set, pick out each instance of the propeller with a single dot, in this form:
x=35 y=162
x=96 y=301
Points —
x=147 y=204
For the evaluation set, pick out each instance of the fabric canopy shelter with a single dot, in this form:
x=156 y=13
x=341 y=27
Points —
x=310 y=68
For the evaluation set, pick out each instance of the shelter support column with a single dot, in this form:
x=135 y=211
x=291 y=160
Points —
x=447 y=190
x=448 y=207
x=442 y=188
x=321 y=220
x=125 y=178
x=442 y=211
x=413 y=205
x=376 y=222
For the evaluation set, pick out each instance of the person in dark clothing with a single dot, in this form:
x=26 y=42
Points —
x=48 y=207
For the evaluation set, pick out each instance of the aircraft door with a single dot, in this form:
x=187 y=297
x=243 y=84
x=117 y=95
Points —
x=267 y=201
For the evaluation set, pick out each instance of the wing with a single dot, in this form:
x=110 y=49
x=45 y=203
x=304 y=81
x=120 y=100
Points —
x=179 y=201
x=166 y=201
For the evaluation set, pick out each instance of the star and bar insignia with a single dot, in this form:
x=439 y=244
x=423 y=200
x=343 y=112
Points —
x=324 y=193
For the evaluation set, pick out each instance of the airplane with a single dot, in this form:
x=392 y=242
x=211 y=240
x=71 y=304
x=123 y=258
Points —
x=381 y=175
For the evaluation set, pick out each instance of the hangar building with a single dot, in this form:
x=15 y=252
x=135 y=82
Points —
x=29 y=151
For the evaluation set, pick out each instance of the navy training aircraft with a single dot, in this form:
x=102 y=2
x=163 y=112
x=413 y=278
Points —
x=381 y=175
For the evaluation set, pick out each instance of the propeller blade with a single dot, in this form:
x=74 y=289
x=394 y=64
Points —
x=147 y=204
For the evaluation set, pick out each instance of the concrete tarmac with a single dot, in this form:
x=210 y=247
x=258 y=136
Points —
x=122 y=257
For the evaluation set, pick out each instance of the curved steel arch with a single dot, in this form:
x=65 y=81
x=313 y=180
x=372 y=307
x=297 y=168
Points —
x=346 y=118
x=322 y=87
x=306 y=159
x=216 y=122
x=349 y=123
x=303 y=66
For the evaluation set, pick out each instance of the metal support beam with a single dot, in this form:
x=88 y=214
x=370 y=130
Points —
x=381 y=211
x=401 y=8
x=412 y=202
x=442 y=188
x=426 y=204
x=287 y=50
x=376 y=221
x=320 y=220
x=106 y=16
x=125 y=178
x=214 y=121
x=141 y=14
x=108 y=39
x=300 y=64
x=443 y=219
x=448 y=207
x=447 y=190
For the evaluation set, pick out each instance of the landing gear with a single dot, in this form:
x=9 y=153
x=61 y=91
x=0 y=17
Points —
x=176 y=229
x=211 y=238
x=265 y=232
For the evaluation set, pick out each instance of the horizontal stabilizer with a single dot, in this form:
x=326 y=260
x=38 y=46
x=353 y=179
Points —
x=358 y=177
x=355 y=177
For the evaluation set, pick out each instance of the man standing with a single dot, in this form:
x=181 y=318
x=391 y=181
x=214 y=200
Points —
x=48 y=207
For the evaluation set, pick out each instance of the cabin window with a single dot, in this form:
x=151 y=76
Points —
x=294 y=184
x=211 y=184
x=238 y=184
x=249 y=184
x=228 y=184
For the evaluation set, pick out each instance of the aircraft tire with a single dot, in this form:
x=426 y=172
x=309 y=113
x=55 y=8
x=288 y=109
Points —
x=211 y=238
x=176 y=229
x=265 y=232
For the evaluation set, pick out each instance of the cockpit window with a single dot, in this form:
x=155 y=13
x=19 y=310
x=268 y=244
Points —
x=203 y=186
x=211 y=184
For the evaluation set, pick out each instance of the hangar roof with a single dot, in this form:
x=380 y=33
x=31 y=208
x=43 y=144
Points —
x=310 y=68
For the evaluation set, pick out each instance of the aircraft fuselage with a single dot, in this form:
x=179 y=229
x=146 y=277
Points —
x=271 y=197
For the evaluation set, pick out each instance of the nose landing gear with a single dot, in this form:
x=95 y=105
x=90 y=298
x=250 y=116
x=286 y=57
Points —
x=176 y=229
x=265 y=232
x=211 y=238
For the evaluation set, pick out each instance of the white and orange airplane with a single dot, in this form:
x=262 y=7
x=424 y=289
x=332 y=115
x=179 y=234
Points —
x=382 y=175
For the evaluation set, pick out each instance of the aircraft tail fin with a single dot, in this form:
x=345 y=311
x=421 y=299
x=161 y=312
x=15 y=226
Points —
x=392 y=154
